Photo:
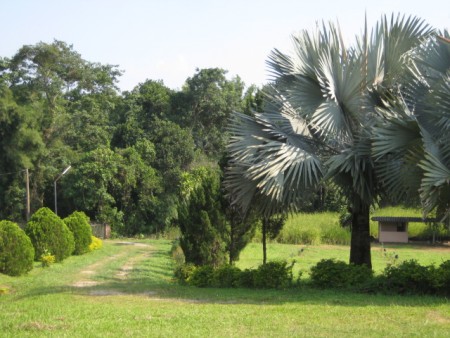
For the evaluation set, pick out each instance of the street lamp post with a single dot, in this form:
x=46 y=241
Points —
x=54 y=186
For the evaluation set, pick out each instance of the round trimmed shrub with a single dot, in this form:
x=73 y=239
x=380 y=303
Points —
x=49 y=234
x=78 y=223
x=16 y=250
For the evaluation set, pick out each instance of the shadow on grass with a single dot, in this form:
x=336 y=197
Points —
x=171 y=292
x=163 y=288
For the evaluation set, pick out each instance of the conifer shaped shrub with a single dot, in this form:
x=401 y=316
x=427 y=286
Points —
x=16 y=250
x=78 y=223
x=49 y=234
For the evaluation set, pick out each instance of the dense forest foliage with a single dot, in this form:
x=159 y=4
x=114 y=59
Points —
x=130 y=152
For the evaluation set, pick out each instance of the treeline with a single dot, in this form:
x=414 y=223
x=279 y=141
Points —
x=128 y=151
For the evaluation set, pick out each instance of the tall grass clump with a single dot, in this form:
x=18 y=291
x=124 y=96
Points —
x=314 y=229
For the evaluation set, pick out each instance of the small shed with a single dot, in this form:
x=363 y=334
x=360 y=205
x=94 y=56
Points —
x=395 y=229
x=102 y=231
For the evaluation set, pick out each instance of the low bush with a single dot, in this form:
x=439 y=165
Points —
x=330 y=273
x=442 y=279
x=274 y=275
x=247 y=278
x=184 y=272
x=16 y=250
x=47 y=259
x=409 y=277
x=49 y=233
x=96 y=243
x=226 y=276
x=202 y=276
x=78 y=223
x=270 y=275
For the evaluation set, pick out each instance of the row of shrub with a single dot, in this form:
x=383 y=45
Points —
x=409 y=277
x=46 y=238
x=270 y=275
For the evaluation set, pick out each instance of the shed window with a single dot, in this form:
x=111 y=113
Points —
x=401 y=227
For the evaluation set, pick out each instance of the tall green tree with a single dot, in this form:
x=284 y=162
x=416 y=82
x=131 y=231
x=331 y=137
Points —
x=20 y=145
x=242 y=228
x=58 y=74
x=70 y=99
x=317 y=121
x=90 y=185
x=207 y=100
x=253 y=100
x=200 y=218
x=134 y=116
x=139 y=191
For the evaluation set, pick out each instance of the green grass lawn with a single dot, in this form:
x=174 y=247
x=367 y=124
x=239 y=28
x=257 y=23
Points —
x=127 y=290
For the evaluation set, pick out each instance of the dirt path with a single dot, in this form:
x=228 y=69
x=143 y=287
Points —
x=85 y=278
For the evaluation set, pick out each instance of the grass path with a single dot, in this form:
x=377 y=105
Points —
x=131 y=255
x=134 y=296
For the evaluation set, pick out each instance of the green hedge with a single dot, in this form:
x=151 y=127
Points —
x=275 y=275
x=408 y=277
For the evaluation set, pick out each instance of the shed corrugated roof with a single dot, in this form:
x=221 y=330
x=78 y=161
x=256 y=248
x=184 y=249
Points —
x=403 y=219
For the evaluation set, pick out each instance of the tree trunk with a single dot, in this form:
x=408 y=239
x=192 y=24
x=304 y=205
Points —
x=264 y=230
x=232 y=239
x=360 y=240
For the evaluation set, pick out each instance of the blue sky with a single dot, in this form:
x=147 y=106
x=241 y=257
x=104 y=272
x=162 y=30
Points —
x=169 y=39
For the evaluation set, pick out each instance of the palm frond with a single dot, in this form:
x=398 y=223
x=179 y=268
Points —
x=398 y=133
x=401 y=35
x=271 y=161
x=434 y=56
x=436 y=180
x=354 y=168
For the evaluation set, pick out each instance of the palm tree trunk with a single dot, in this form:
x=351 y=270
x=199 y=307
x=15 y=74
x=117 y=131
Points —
x=360 y=238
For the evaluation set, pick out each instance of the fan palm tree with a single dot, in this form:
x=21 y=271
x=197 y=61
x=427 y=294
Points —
x=412 y=139
x=318 y=120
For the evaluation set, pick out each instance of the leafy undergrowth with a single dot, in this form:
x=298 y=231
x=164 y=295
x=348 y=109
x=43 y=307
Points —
x=132 y=294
